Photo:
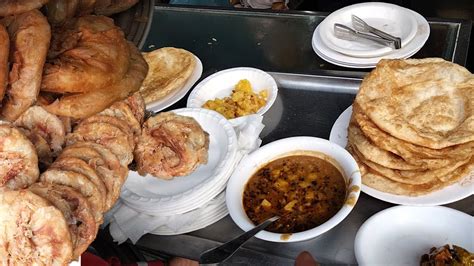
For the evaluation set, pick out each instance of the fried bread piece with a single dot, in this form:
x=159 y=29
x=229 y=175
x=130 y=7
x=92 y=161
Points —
x=18 y=159
x=4 y=52
x=32 y=231
x=171 y=145
x=14 y=7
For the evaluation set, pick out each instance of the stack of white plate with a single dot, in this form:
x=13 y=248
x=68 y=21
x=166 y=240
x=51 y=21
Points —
x=185 y=194
x=411 y=27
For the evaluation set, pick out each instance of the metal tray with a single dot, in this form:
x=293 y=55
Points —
x=306 y=105
x=136 y=21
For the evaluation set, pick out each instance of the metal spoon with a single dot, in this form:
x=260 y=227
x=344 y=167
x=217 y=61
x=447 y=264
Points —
x=224 y=251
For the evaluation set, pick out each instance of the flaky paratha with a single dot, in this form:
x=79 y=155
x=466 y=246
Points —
x=169 y=69
x=427 y=102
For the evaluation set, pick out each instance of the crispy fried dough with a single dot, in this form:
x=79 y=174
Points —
x=122 y=111
x=79 y=182
x=14 y=7
x=87 y=54
x=18 y=159
x=44 y=124
x=106 y=134
x=75 y=208
x=43 y=150
x=114 y=7
x=60 y=10
x=105 y=163
x=137 y=105
x=114 y=121
x=170 y=68
x=79 y=166
x=427 y=102
x=32 y=231
x=4 y=52
x=30 y=37
x=82 y=105
x=171 y=145
x=85 y=7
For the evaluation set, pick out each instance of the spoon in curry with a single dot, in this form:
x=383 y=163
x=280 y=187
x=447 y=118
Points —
x=221 y=253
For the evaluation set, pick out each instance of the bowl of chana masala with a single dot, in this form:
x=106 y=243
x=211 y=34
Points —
x=310 y=183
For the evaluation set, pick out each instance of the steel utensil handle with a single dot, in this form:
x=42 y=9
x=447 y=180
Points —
x=360 y=25
x=224 y=251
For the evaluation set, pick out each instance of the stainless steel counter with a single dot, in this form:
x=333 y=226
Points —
x=306 y=105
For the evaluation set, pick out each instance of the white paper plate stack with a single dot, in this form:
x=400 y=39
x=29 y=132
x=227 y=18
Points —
x=182 y=195
x=398 y=21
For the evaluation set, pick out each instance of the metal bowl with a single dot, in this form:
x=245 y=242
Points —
x=136 y=21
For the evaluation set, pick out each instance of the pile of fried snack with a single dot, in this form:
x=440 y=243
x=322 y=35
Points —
x=70 y=122
x=412 y=126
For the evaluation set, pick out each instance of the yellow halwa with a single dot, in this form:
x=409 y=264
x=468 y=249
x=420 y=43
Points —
x=242 y=101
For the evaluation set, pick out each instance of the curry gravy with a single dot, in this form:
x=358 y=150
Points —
x=304 y=190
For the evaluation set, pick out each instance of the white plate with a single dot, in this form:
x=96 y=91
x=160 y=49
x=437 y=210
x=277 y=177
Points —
x=177 y=95
x=446 y=195
x=326 y=53
x=221 y=84
x=395 y=20
x=401 y=235
x=211 y=213
x=185 y=193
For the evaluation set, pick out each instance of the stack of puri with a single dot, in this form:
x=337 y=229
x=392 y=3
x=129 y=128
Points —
x=52 y=217
x=412 y=127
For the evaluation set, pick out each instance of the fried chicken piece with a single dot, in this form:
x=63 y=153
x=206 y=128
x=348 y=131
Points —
x=32 y=231
x=75 y=209
x=171 y=145
x=80 y=183
x=83 y=105
x=14 y=7
x=30 y=37
x=87 y=54
x=4 y=50
x=106 y=165
x=18 y=159
x=114 y=7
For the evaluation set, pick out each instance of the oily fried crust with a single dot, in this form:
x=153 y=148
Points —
x=18 y=159
x=82 y=105
x=14 y=7
x=137 y=105
x=30 y=37
x=79 y=182
x=32 y=231
x=122 y=111
x=4 y=51
x=170 y=146
x=76 y=211
x=87 y=54
x=105 y=163
x=114 y=121
x=60 y=10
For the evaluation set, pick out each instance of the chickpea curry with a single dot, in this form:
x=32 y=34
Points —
x=304 y=190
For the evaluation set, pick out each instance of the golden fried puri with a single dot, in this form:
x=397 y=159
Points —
x=86 y=54
x=18 y=159
x=171 y=145
x=32 y=231
x=170 y=68
x=30 y=37
x=81 y=105
x=75 y=209
x=61 y=10
x=14 y=7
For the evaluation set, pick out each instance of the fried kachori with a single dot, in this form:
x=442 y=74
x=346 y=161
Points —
x=412 y=126
x=169 y=69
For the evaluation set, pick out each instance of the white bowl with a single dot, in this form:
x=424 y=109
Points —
x=281 y=148
x=221 y=84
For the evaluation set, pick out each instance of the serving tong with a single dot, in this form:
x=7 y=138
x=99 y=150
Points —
x=362 y=30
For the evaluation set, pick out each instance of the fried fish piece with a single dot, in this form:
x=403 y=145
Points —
x=4 y=52
x=30 y=38
x=171 y=145
x=32 y=231
x=87 y=54
x=75 y=209
x=82 y=105
x=170 y=68
x=18 y=159
x=14 y=7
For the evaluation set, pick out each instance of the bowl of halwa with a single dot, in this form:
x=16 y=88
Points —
x=310 y=183
x=235 y=92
